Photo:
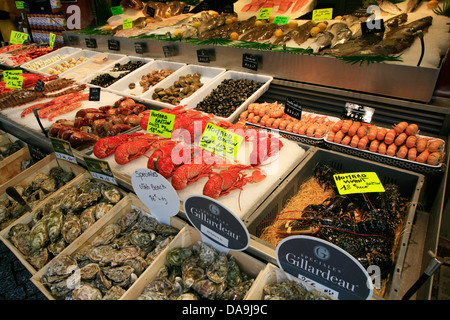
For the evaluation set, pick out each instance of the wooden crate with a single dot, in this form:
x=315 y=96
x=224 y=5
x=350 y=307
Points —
x=187 y=237
x=24 y=178
x=120 y=209
x=271 y=275
x=11 y=166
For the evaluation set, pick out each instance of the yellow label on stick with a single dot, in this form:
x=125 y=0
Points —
x=161 y=123
x=51 y=40
x=322 y=14
x=358 y=182
x=127 y=23
x=264 y=13
x=218 y=140
x=17 y=37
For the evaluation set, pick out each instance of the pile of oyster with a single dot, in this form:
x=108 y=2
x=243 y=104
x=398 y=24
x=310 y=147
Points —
x=106 y=267
x=42 y=186
x=291 y=290
x=62 y=219
x=200 y=273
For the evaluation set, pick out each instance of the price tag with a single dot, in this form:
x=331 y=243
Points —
x=151 y=11
x=322 y=14
x=51 y=40
x=205 y=56
x=94 y=94
x=281 y=20
x=140 y=47
x=116 y=10
x=357 y=112
x=218 y=140
x=250 y=61
x=167 y=51
x=99 y=169
x=8 y=73
x=91 y=43
x=264 y=13
x=293 y=108
x=127 y=23
x=39 y=86
x=358 y=182
x=114 y=45
x=63 y=150
x=325 y=266
x=161 y=123
x=157 y=193
x=217 y=225
x=20 y=5
x=17 y=37
x=228 y=8
x=14 y=82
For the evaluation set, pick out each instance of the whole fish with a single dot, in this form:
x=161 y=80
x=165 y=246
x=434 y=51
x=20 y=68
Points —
x=262 y=33
x=341 y=33
x=393 y=23
x=323 y=40
x=399 y=39
x=353 y=46
x=389 y=7
x=412 y=5
x=300 y=34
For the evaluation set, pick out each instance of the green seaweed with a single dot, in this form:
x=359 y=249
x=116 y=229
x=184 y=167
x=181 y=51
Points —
x=368 y=59
x=444 y=10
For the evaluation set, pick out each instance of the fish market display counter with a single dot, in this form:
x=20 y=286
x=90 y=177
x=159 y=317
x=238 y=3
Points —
x=427 y=198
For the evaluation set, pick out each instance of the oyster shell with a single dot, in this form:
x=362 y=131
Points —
x=87 y=217
x=71 y=228
x=187 y=296
x=129 y=219
x=60 y=267
x=238 y=292
x=96 y=254
x=39 y=235
x=192 y=271
x=111 y=193
x=101 y=209
x=114 y=293
x=89 y=271
x=54 y=224
x=121 y=276
x=38 y=258
x=177 y=256
x=56 y=247
x=234 y=277
x=126 y=253
x=86 y=292
x=109 y=233
x=218 y=269
x=288 y=290
x=144 y=240
x=207 y=254
x=208 y=289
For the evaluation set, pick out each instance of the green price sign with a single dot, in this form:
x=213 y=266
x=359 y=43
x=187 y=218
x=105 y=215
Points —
x=116 y=10
x=99 y=169
x=322 y=14
x=18 y=37
x=20 y=5
x=264 y=13
x=127 y=23
x=281 y=20
x=161 y=123
x=358 y=182
x=51 y=40
x=218 y=140
x=8 y=73
x=14 y=82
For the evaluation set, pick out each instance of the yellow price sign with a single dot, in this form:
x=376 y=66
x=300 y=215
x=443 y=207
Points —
x=161 y=123
x=20 y=5
x=358 y=182
x=51 y=40
x=14 y=82
x=218 y=140
x=127 y=23
x=322 y=14
x=264 y=13
x=17 y=37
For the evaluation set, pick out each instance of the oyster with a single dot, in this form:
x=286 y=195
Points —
x=49 y=185
x=86 y=292
x=19 y=235
x=39 y=235
x=187 y=296
x=109 y=233
x=87 y=217
x=237 y=292
x=234 y=277
x=138 y=264
x=111 y=193
x=208 y=289
x=121 y=276
x=147 y=223
x=144 y=240
x=38 y=258
x=177 y=256
x=84 y=200
x=129 y=219
x=97 y=253
x=207 y=254
x=56 y=247
x=71 y=228
x=114 y=293
x=126 y=253
x=89 y=271
x=287 y=290
x=101 y=209
x=61 y=266
x=59 y=289
x=102 y=282
x=218 y=269
x=68 y=197
x=158 y=249
x=54 y=224
x=192 y=271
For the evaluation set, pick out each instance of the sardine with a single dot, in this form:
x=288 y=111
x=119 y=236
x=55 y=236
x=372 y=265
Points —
x=341 y=33
x=323 y=40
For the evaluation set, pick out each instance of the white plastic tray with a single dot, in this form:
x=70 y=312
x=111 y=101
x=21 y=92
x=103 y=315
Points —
x=76 y=55
x=67 y=51
x=235 y=75
x=121 y=86
x=208 y=75
x=109 y=67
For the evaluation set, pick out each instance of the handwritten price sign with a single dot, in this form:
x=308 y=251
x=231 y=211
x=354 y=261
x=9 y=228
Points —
x=161 y=123
x=322 y=14
x=218 y=140
x=18 y=37
x=358 y=182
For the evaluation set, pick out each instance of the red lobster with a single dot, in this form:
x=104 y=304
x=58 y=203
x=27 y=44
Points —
x=189 y=173
x=222 y=183
x=107 y=146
